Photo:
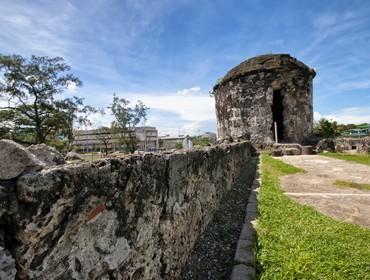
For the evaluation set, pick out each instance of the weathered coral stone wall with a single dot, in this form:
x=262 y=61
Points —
x=360 y=145
x=132 y=218
x=345 y=144
x=244 y=99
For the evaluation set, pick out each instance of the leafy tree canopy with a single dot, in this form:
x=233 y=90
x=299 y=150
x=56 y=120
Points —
x=201 y=141
x=126 y=119
x=29 y=89
x=326 y=128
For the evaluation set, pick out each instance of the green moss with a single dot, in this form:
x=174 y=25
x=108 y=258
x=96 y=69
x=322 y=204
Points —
x=349 y=184
x=297 y=242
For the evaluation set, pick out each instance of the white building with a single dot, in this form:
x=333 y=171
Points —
x=97 y=139
x=174 y=142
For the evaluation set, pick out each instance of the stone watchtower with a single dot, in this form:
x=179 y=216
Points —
x=263 y=90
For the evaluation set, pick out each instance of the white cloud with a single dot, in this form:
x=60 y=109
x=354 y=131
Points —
x=317 y=116
x=170 y=112
x=98 y=120
x=188 y=90
x=70 y=30
x=354 y=115
x=354 y=85
x=17 y=20
x=71 y=86
x=31 y=28
x=333 y=26
x=191 y=107
x=192 y=128
x=3 y=103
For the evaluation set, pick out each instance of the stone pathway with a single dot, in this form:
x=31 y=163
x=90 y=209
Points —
x=316 y=187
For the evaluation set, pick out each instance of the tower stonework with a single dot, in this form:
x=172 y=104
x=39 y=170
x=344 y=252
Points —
x=261 y=91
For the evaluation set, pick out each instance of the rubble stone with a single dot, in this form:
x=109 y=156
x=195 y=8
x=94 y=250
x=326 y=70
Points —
x=73 y=156
x=47 y=154
x=326 y=145
x=7 y=265
x=15 y=159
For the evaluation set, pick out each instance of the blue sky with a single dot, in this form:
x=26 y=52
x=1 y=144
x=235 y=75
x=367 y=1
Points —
x=170 y=53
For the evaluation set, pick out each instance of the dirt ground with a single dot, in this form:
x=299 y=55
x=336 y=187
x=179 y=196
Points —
x=316 y=187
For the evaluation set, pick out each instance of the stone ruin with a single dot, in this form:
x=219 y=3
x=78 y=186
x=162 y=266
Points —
x=139 y=216
x=263 y=90
x=128 y=218
x=359 y=145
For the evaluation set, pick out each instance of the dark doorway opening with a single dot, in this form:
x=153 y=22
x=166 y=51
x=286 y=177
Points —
x=277 y=114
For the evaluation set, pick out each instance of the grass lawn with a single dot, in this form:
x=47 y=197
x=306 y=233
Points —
x=349 y=184
x=359 y=158
x=297 y=242
x=92 y=157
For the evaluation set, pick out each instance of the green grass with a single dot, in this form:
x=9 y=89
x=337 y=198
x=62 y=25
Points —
x=359 y=158
x=297 y=242
x=349 y=184
x=92 y=157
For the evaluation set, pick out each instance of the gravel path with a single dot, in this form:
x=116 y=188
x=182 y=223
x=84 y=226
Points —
x=213 y=254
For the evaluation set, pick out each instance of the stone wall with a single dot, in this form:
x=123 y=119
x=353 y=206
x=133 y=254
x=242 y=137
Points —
x=244 y=99
x=345 y=144
x=135 y=218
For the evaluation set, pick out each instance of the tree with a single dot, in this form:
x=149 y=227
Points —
x=326 y=128
x=126 y=119
x=72 y=112
x=201 y=141
x=105 y=136
x=30 y=88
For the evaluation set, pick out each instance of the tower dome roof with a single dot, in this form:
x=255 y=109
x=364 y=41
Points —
x=263 y=63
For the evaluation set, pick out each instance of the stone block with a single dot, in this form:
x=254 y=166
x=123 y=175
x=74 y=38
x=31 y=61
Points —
x=251 y=217
x=252 y=197
x=243 y=272
x=277 y=153
x=15 y=159
x=284 y=146
x=244 y=253
x=46 y=154
x=292 y=152
x=248 y=232
x=306 y=150
x=252 y=207
x=73 y=156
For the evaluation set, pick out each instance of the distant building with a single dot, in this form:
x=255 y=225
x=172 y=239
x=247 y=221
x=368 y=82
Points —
x=92 y=139
x=148 y=138
x=361 y=130
x=173 y=142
